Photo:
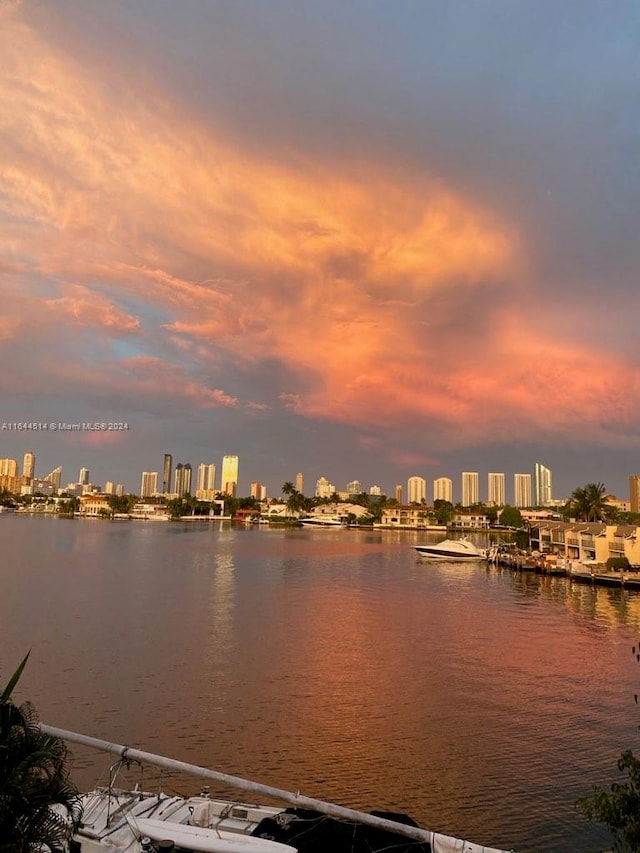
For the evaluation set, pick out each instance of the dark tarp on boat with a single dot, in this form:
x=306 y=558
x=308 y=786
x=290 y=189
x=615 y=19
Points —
x=313 y=832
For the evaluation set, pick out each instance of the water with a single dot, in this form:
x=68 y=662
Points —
x=331 y=662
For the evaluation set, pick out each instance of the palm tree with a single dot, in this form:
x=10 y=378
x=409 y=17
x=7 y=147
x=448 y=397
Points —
x=588 y=503
x=38 y=803
x=288 y=488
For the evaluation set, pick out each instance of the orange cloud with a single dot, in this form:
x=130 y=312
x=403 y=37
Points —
x=398 y=301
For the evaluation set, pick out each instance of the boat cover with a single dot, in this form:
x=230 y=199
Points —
x=313 y=832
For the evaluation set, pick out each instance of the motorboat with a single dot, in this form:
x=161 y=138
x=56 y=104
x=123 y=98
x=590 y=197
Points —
x=132 y=821
x=320 y=520
x=452 y=549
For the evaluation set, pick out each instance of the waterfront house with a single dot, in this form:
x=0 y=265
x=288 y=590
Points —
x=411 y=517
x=586 y=541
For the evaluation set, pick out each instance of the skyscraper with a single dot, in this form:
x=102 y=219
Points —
x=522 y=489
x=416 y=490
x=149 y=485
x=229 y=476
x=495 y=489
x=443 y=489
x=543 y=485
x=178 y=480
x=206 y=477
x=634 y=492
x=83 y=477
x=29 y=465
x=354 y=487
x=300 y=482
x=166 y=473
x=258 y=491
x=398 y=493
x=186 y=478
x=55 y=477
x=8 y=467
x=470 y=489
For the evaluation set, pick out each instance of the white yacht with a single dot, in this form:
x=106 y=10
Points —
x=452 y=549
x=323 y=521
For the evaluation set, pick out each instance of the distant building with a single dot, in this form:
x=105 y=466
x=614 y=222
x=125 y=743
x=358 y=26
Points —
x=469 y=521
x=229 y=474
x=544 y=491
x=258 y=491
x=324 y=489
x=206 y=477
x=83 y=477
x=178 y=480
x=354 y=487
x=300 y=482
x=375 y=491
x=398 y=493
x=55 y=477
x=8 y=467
x=416 y=490
x=149 y=485
x=634 y=492
x=109 y=488
x=443 y=489
x=470 y=488
x=94 y=505
x=120 y=490
x=29 y=465
x=186 y=479
x=522 y=490
x=166 y=473
x=495 y=489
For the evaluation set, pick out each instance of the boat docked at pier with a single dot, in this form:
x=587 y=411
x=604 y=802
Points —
x=452 y=549
x=131 y=821
x=323 y=521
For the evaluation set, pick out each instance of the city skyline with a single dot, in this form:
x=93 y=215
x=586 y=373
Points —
x=327 y=237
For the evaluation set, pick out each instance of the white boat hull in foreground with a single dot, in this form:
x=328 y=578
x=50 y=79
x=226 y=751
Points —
x=452 y=549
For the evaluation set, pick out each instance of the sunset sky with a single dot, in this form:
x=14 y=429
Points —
x=362 y=239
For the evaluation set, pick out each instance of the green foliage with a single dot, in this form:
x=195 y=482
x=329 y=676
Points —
x=618 y=808
x=443 y=511
x=618 y=564
x=588 y=503
x=511 y=517
x=33 y=780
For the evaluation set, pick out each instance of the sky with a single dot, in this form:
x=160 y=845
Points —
x=361 y=240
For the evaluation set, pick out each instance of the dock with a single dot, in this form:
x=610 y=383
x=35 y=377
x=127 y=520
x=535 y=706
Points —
x=573 y=570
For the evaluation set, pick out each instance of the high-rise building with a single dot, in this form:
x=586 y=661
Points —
x=178 y=480
x=8 y=467
x=149 y=485
x=470 y=488
x=443 y=489
x=83 y=477
x=54 y=477
x=300 y=482
x=354 y=488
x=416 y=490
x=398 y=493
x=522 y=490
x=109 y=488
x=544 y=496
x=186 y=478
x=166 y=473
x=375 y=491
x=634 y=492
x=495 y=489
x=258 y=491
x=206 y=477
x=229 y=476
x=119 y=490
x=29 y=465
x=324 y=489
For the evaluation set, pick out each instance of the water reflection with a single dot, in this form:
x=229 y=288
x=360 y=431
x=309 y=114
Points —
x=483 y=702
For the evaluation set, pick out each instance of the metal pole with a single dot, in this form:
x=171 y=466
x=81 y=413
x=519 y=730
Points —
x=295 y=799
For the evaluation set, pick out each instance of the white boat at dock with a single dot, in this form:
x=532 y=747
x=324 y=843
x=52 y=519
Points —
x=132 y=821
x=323 y=521
x=452 y=549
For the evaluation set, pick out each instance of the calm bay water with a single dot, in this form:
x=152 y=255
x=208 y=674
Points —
x=331 y=662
